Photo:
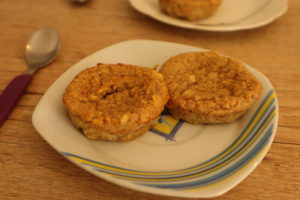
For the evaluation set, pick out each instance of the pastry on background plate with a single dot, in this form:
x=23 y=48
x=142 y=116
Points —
x=206 y=87
x=190 y=9
x=115 y=102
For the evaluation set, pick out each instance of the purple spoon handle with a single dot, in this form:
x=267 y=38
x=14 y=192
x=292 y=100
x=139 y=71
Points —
x=12 y=94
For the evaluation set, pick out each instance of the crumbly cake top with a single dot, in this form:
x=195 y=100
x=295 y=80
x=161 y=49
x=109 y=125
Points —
x=116 y=97
x=209 y=82
x=194 y=2
x=190 y=9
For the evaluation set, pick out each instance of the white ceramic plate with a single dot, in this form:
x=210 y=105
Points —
x=174 y=158
x=231 y=16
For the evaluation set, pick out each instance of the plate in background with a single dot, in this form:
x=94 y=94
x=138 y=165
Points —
x=267 y=12
x=186 y=160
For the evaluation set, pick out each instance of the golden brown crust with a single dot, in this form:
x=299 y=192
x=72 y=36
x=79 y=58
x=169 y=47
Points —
x=115 y=102
x=206 y=87
x=189 y=9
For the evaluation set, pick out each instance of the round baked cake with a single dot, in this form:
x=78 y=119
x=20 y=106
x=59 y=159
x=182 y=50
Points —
x=189 y=9
x=206 y=87
x=115 y=102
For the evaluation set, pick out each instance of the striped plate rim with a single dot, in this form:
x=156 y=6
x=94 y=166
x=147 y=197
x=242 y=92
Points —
x=251 y=142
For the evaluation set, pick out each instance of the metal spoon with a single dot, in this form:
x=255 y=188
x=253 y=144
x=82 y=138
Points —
x=40 y=50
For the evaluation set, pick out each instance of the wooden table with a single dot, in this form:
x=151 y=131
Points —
x=32 y=169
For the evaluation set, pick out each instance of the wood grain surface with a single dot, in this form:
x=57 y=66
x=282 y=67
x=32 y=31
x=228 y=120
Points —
x=30 y=169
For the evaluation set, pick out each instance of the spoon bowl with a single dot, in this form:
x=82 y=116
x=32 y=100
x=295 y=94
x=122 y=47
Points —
x=41 y=48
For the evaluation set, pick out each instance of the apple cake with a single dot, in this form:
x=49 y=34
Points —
x=189 y=9
x=115 y=102
x=206 y=87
